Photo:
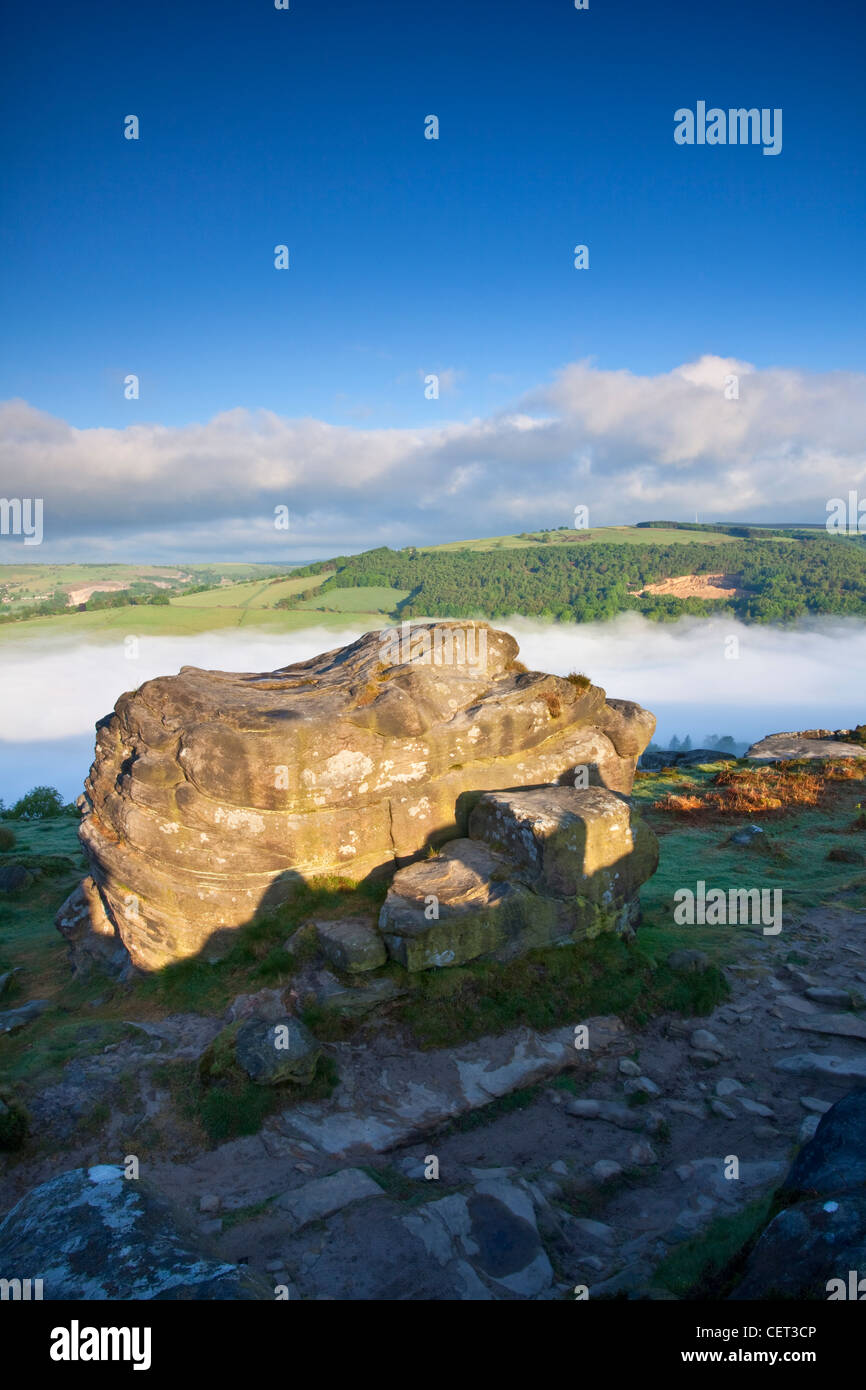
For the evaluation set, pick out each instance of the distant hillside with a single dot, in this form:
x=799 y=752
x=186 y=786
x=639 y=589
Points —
x=756 y=574
x=32 y=591
x=662 y=570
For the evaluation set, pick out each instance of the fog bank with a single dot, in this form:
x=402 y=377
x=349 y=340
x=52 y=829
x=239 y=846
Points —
x=698 y=676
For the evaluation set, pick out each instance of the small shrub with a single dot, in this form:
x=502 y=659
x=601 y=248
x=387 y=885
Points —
x=7 y=839
x=749 y=791
x=844 y=769
x=670 y=802
x=553 y=702
x=14 y=1122
x=230 y=1112
x=579 y=680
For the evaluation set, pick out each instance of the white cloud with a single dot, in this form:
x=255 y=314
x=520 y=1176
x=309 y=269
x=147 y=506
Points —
x=629 y=447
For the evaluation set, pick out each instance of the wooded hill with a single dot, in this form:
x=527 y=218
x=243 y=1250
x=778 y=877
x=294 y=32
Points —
x=778 y=576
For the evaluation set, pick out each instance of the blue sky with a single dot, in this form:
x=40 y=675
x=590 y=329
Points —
x=411 y=256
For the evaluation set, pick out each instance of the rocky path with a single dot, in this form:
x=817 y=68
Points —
x=637 y=1143
x=608 y=1158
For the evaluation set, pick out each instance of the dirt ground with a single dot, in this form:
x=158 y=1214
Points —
x=695 y=586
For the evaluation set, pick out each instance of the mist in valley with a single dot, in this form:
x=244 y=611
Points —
x=699 y=677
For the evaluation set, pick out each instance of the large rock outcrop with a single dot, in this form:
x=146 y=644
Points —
x=815 y=1247
x=96 y=1234
x=810 y=743
x=213 y=795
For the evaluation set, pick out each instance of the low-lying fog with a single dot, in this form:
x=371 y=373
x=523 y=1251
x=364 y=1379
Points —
x=699 y=677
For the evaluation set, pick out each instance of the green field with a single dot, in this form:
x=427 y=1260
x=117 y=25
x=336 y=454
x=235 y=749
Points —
x=23 y=584
x=361 y=600
x=611 y=535
x=257 y=593
x=178 y=620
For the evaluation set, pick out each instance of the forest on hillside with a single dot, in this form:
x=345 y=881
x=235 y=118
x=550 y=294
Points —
x=779 y=580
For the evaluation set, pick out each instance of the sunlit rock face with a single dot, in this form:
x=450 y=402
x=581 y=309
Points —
x=213 y=795
x=549 y=866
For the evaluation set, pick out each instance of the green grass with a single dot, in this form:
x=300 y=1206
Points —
x=790 y=855
x=546 y=988
x=360 y=600
x=235 y=1106
x=486 y=1114
x=581 y=1201
x=255 y=594
x=612 y=535
x=28 y=937
x=708 y=1266
x=237 y=1215
x=182 y=620
x=39 y=1052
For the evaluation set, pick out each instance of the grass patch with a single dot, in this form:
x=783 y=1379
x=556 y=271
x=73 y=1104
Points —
x=709 y=1265
x=583 y=1201
x=233 y=1105
x=14 y=1121
x=410 y=1192
x=486 y=1114
x=790 y=854
x=546 y=988
x=237 y=1215
x=258 y=957
x=39 y=1051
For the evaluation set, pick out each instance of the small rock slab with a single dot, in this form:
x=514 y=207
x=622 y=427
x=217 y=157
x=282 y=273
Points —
x=323 y=1196
x=449 y=909
x=837 y=1025
x=623 y=1116
x=815 y=1106
x=684 y=959
x=782 y=747
x=817 y=1064
x=14 y=877
x=330 y=995
x=13 y=1019
x=351 y=945
x=825 y=994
